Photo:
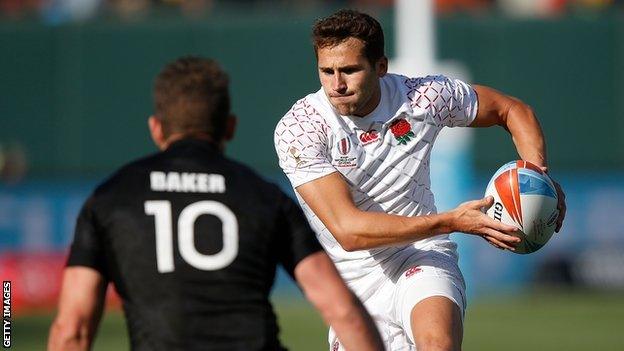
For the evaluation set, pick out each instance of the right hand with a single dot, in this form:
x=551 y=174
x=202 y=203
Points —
x=469 y=218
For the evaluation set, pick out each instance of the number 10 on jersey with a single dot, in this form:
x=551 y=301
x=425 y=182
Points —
x=161 y=210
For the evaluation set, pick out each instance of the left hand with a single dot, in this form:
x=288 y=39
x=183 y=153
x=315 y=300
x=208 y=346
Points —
x=561 y=205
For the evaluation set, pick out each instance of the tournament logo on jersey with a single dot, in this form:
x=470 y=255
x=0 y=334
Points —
x=369 y=137
x=402 y=131
x=344 y=157
x=344 y=146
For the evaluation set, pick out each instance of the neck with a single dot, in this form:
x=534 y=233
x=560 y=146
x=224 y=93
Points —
x=190 y=135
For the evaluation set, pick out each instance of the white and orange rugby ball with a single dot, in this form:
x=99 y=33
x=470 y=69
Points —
x=524 y=197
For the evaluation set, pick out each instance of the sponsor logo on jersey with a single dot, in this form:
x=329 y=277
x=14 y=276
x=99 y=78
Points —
x=402 y=131
x=369 y=137
x=410 y=272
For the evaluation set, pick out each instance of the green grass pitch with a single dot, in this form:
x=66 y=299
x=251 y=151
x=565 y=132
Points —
x=540 y=321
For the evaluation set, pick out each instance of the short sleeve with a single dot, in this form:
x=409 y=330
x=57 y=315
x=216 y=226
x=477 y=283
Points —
x=296 y=238
x=450 y=102
x=87 y=248
x=301 y=143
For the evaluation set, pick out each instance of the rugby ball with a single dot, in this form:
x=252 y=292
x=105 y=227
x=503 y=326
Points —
x=524 y=197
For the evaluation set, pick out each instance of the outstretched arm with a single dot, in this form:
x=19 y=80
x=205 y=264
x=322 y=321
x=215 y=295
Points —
x=354 y=229
x=339 y=307
x=519 y=120
x=79 y=311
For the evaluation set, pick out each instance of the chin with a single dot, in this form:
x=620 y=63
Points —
x=345 y=110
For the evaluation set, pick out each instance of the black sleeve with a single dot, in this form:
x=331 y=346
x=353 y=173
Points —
x=297 y=239
x=87 y=249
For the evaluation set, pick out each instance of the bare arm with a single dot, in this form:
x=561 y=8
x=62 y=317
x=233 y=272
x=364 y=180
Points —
x=519 y=120
x=79 y=311
x=354 y=229
x=339 y=307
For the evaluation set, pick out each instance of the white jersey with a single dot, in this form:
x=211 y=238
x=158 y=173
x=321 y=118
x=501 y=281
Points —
x=383 y=156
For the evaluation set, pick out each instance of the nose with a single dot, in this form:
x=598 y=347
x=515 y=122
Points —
x=338 y=84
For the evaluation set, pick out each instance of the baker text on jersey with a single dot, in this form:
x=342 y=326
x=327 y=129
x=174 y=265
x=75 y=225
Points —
x=187 y=182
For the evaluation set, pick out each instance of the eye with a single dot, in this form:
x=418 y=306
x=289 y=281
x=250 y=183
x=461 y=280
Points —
x=327 y=71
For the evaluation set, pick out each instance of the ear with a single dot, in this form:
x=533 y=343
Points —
x=230 y=127
x=382 y=66
x=156 y=131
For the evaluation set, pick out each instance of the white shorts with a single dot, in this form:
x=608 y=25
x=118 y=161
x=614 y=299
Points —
x=434 y=273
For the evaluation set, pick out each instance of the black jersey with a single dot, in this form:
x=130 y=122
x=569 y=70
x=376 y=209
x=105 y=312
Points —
x=191 y=241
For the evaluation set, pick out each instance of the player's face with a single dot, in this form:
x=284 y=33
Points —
x=349 y=80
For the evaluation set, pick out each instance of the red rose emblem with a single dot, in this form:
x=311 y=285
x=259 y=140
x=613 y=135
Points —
x=400 y=127
x=402 y=131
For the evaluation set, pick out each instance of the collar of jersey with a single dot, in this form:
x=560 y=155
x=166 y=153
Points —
x=211 y=146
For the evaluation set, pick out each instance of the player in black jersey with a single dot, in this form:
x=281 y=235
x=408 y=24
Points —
x=191 y=239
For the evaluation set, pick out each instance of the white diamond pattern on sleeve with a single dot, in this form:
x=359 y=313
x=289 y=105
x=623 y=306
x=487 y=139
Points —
x=451 y=102
x=301 y=142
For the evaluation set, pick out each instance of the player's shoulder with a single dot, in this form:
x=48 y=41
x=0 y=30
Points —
x=244 y=171
x=259 y=190
x=121 y=186
x=140 y=168
x=306 y=115
x=415 y=87
x=306 y=109
x=432 y=84
x=425 y=82
x=127 y=175
x=128 y=181
x=433 y=89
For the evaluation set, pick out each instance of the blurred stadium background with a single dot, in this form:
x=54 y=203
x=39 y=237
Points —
x=75 y=93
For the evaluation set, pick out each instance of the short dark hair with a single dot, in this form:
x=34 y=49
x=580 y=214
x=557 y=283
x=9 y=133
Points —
x=345 y=24
x=191 y=95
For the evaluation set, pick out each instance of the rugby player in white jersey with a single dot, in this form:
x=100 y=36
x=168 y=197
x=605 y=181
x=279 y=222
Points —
x=357 y=153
